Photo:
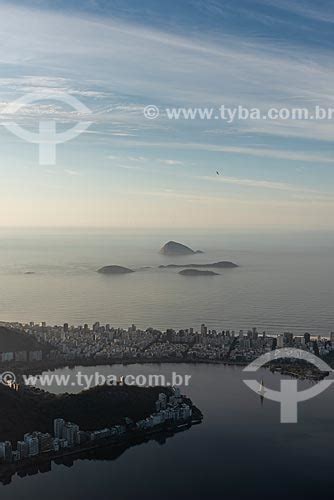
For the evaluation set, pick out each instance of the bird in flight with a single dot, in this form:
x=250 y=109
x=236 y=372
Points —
x=217 y=172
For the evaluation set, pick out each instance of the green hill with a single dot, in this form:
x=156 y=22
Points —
x=12 y=341
x=28 y=410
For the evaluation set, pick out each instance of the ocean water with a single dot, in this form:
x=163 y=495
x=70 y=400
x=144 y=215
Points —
x=284 y=282
x=240 y=451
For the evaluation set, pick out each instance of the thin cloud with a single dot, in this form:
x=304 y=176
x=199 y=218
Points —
x=171 y=162
x=262 y=184
x=71 y=172
x=268 y=152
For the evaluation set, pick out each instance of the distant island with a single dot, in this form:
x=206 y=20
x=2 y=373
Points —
x=174 y=248
x=115 y=270
x=222 y=264
x=197 y=272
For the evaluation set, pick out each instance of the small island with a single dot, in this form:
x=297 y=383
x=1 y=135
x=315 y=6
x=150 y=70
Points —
x=115 y=270
x=197 y=272
x=224 y=264
x=174 y=248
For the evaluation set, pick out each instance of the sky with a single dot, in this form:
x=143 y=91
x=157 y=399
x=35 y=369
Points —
x=116 y=57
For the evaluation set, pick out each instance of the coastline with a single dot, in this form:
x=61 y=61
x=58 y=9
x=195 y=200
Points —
x=131 y=438
x=293 y=369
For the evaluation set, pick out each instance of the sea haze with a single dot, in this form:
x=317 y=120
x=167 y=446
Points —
x=284 y=282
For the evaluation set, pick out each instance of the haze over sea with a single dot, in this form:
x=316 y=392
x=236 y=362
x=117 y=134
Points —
x=284 y=281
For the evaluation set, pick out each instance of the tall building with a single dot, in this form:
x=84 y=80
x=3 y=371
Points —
x=35 y=356
x=163 y=400
x=255 y=334
x=70 y=433
x=288 y=338
x=6 y=451
x=96 y=326
x=177 y=392
x=22 y=449
x=280 y=341
x=332 y=337
x=33 y=445
x=45 y=442
x=58 y=426
x=307 y=338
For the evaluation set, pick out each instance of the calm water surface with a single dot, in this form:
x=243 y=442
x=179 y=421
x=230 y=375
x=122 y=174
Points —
x=239 y=451
x=285 y=280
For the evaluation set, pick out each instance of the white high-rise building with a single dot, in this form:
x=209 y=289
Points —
x=70 y=433
x=280 y=341
x=33 y=444
x=58 y=427
x=6 y=451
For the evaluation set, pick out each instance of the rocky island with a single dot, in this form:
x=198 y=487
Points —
x=197 y=272
x=174 y=248
x=224 y=264
x=115 y=270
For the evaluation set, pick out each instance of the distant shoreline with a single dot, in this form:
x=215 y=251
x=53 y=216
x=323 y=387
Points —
x=292 y=368
x=134 y=437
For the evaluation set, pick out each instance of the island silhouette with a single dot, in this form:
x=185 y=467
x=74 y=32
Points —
x=197 y=272
x=115 y=270
x=222 y=264
x=175 y=248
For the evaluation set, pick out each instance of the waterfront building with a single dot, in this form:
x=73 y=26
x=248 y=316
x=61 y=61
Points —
x=70 y=433
x=35 y=356
x=45 y=442
x=288 y=338
x=6 y=451
x=163 y=400
x=280 y=341
x=7 y=356
x=21 y=356
x=33 y=445
x=23 y=449
x=58 y=425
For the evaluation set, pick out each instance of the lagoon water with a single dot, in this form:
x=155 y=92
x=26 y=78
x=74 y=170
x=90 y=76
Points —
x=240 y=451
x=284 y=282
